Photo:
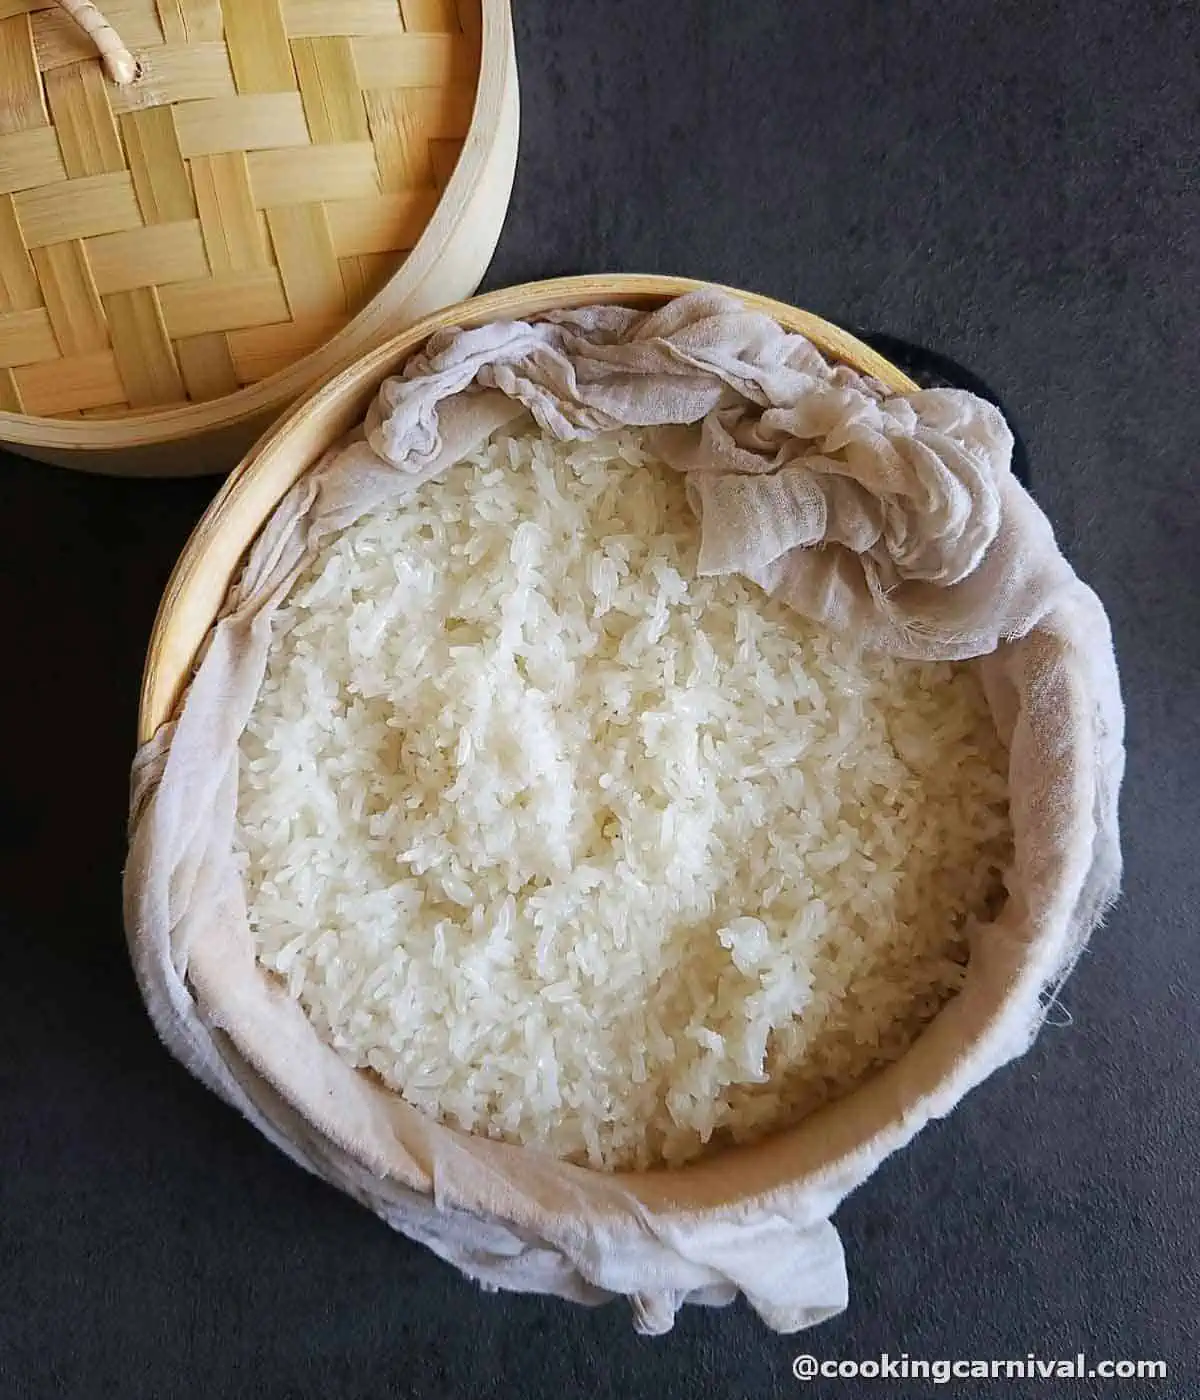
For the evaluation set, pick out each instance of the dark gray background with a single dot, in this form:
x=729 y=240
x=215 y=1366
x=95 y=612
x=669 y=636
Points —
x=1012 y=183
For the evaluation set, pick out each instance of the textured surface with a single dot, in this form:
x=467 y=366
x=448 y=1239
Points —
x=688 y=876
x=203 y=227
x=1017 y=189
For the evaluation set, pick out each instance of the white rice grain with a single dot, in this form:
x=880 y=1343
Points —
x=575 y=849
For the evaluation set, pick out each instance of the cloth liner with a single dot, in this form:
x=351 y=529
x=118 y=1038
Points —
x=893 y=516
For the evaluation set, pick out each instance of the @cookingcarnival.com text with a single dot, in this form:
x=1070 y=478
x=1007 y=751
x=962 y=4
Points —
x=944 y=1370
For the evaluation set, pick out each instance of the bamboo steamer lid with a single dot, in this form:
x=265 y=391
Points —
x=235 y=200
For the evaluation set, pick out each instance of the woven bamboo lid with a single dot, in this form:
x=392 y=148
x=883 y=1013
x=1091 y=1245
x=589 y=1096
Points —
x=280 y=186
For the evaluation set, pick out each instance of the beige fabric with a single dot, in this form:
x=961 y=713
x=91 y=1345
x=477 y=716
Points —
x=896 y=517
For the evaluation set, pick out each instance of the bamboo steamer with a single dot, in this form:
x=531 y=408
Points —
x=266 y=190
x=213 y=554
